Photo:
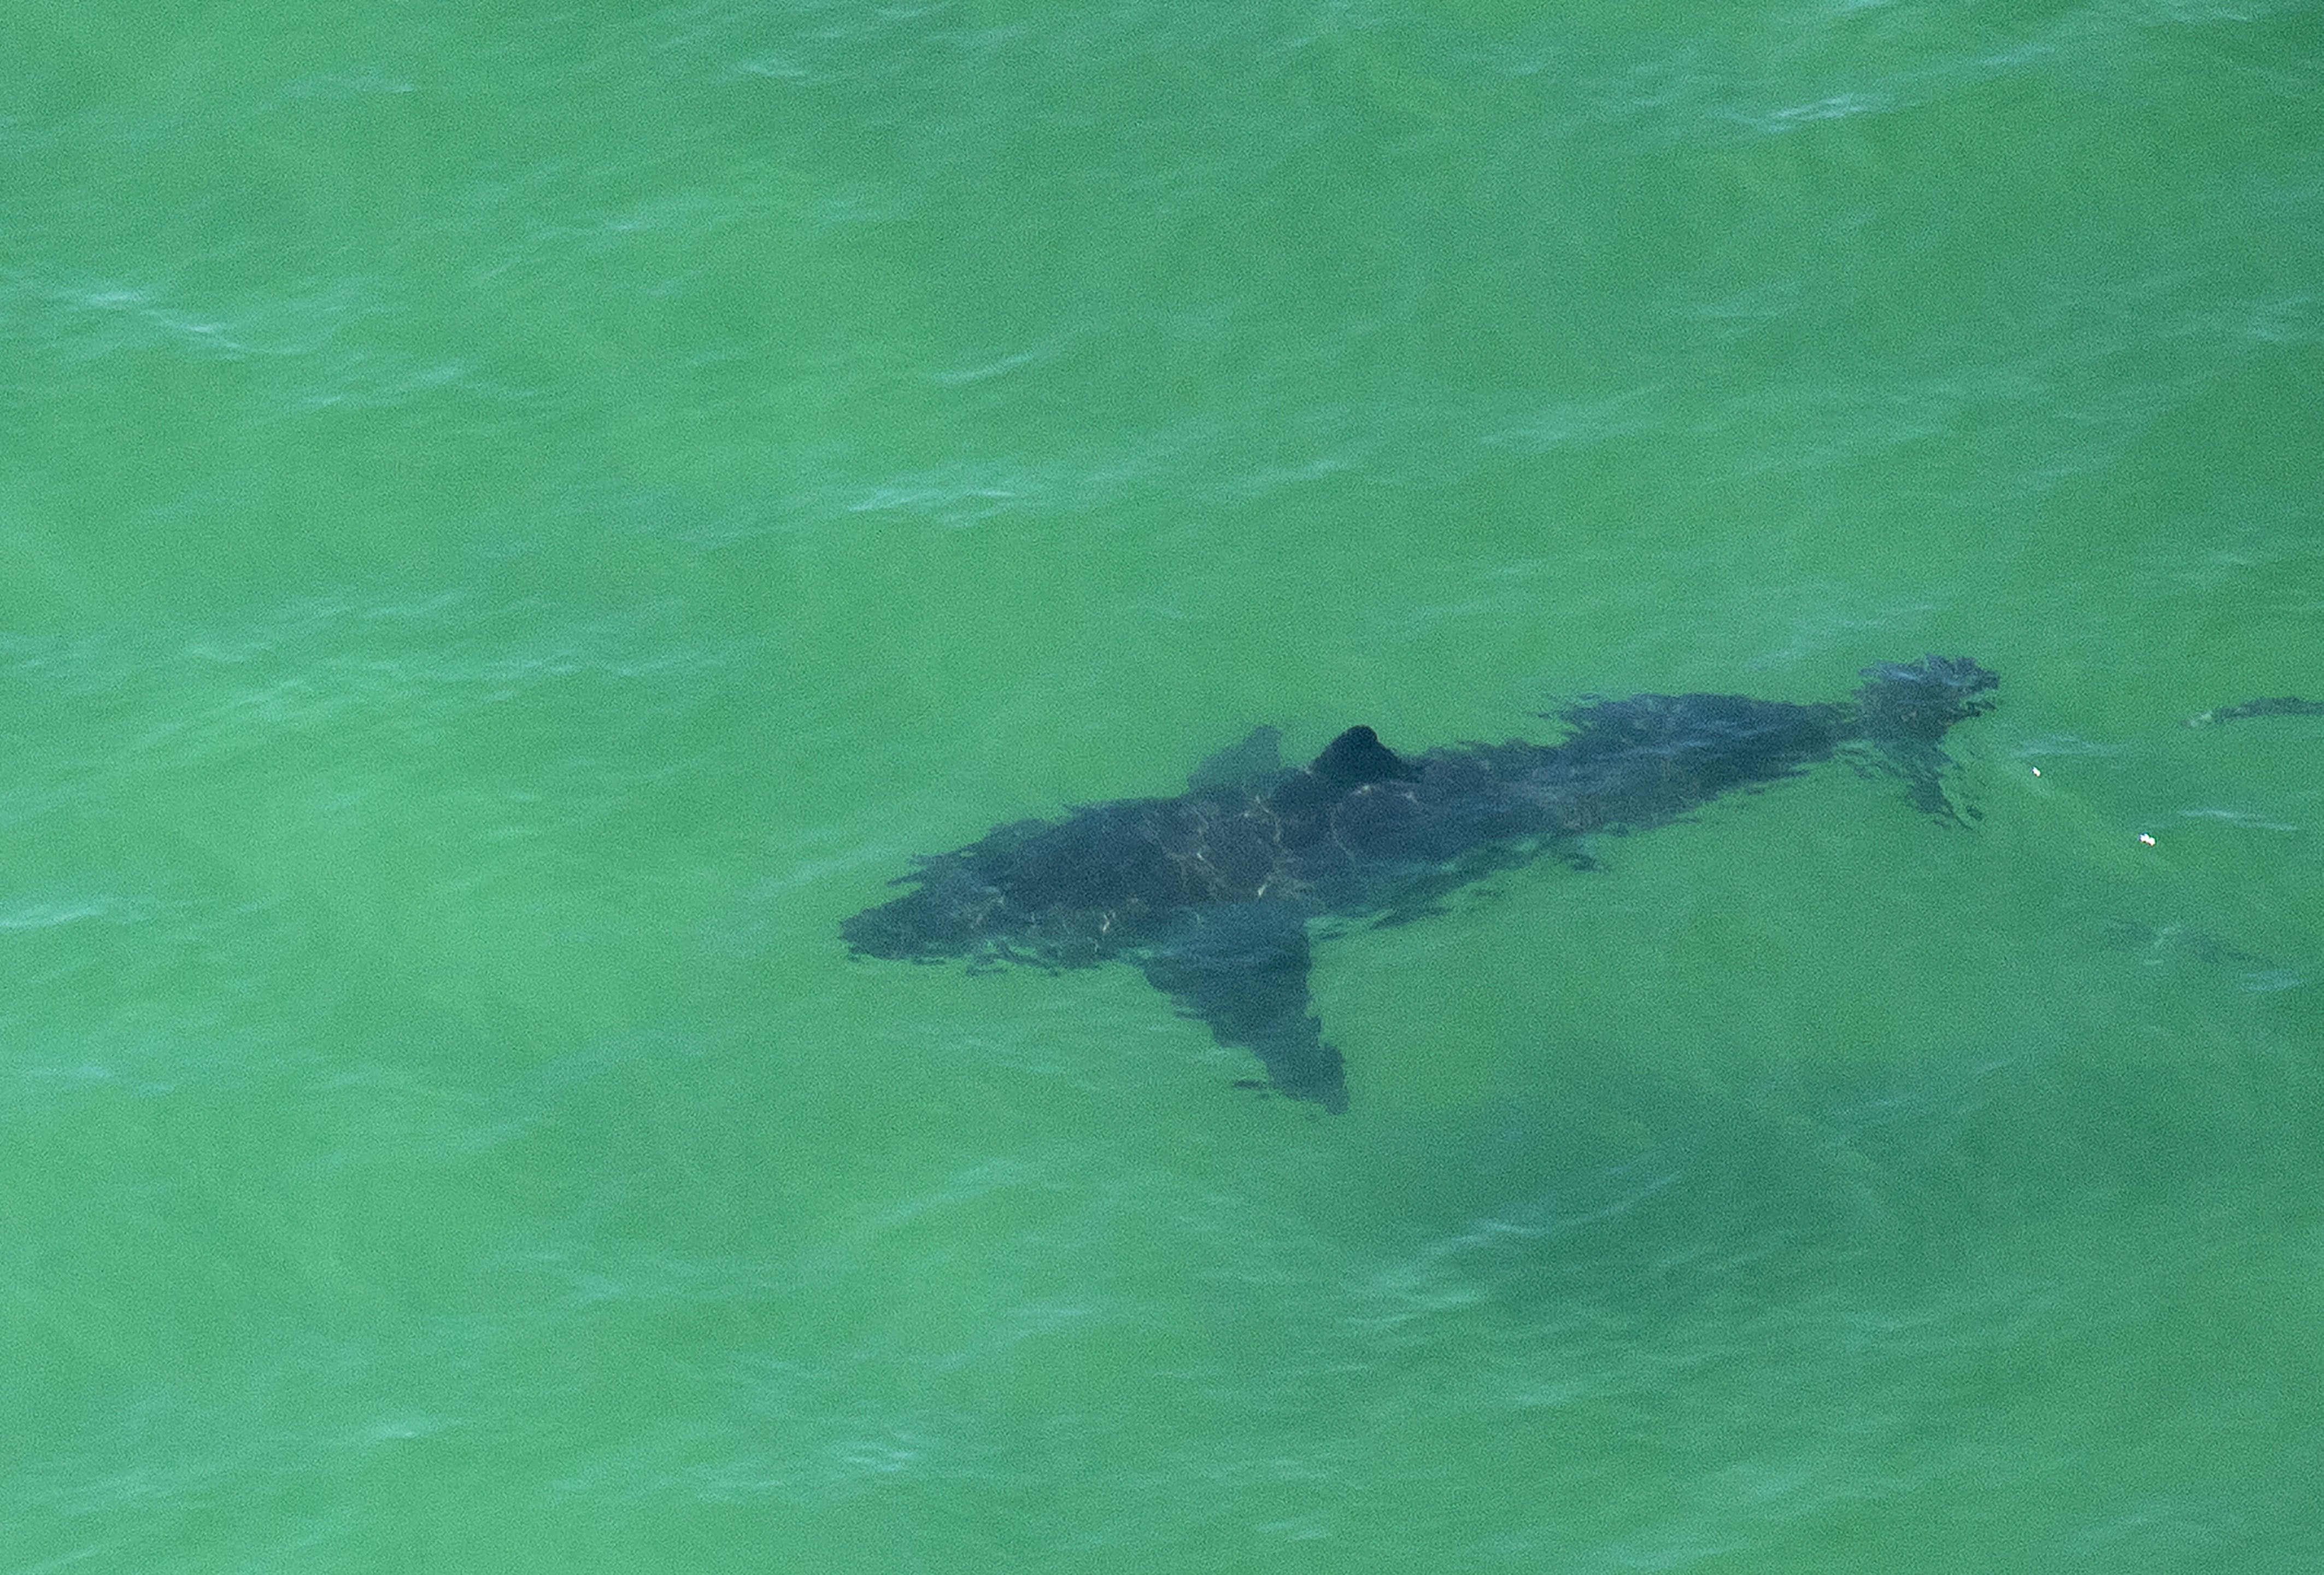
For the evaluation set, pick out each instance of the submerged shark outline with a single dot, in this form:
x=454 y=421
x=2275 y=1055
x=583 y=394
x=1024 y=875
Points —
x=1210 y=893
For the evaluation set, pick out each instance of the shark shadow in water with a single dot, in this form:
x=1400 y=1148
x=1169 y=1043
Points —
x=1210 y=893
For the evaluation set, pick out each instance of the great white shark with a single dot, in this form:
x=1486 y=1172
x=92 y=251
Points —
x=1210 y=893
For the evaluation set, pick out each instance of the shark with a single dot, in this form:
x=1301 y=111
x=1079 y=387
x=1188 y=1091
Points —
x=1212 y=893
x=2281 y=706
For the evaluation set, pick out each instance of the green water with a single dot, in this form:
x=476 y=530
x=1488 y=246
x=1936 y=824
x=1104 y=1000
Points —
x=515 y=521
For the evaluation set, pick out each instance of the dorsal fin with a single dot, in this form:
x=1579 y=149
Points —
x=1356 y=757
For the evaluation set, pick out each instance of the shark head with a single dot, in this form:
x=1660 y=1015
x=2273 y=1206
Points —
x=950 y=914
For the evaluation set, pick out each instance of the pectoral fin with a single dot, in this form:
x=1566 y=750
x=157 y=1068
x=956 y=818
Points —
x=1258 y=755
x=1242 y=969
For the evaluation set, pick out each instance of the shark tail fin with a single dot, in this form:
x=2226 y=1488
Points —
x=1902 y=710
x=1920 y=700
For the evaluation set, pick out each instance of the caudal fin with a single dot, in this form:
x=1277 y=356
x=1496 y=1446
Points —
x=1920 y=700
x=1902 y=710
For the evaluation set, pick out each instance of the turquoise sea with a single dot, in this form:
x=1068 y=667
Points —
x=517 y=519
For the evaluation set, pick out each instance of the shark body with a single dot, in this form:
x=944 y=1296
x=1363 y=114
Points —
x=1210 y=893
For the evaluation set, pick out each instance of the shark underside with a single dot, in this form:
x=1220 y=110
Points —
x=1210 y=893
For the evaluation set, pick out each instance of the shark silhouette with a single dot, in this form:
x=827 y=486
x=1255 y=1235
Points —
x=1210 y=893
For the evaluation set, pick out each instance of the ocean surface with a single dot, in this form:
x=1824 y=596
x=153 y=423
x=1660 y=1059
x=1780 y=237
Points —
x=515 y=521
